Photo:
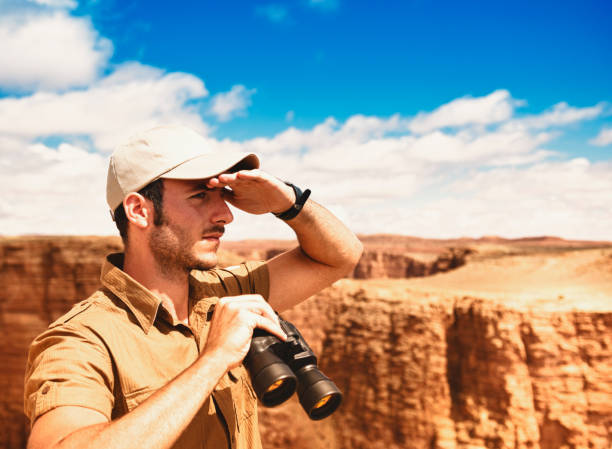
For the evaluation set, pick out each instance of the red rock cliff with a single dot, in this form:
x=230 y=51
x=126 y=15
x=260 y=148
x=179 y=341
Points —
x=441 y=362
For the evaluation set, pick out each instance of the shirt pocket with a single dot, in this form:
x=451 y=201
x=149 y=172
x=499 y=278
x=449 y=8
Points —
x=137 y=397
x=243 y=395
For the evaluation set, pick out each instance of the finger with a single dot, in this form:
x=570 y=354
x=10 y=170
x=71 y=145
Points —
x=259 y=307
x=254 y=303
x=214 y=183
x=255 y=175
x=266 y=311
x=270 y=326
x=228 y=177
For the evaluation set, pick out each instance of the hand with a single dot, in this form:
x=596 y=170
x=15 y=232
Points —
x=255 y=191
x=232 y=325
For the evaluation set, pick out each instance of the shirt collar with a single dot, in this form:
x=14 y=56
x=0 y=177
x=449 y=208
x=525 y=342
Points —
x=141 y=302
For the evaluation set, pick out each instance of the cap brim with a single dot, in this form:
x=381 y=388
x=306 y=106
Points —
x=209 y=165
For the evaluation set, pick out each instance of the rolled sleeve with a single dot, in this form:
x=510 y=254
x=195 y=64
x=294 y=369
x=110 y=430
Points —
x=249 y=278
x=68 y=366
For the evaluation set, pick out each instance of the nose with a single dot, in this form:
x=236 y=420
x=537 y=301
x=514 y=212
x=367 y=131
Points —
x=222 y=213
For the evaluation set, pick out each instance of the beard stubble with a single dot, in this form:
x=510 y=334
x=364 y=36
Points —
x=173 y=250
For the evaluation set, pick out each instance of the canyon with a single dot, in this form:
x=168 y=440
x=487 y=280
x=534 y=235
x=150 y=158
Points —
x=449 y=344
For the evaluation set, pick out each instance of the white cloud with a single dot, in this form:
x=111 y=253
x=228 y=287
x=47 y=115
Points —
x=468 y=180
x=435 y=185
x=568 y=198
x=50 y=51
x=559 y=115
x=52 y=191
x=227 y=105
x=603 y=138
x=493 y=108
x=485 y=148
x=469 y=167
x=289 y=116
x=132 y=98
x=68 y=4
x=372 y=143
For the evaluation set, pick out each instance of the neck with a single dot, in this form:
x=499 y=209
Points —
x=171 y=286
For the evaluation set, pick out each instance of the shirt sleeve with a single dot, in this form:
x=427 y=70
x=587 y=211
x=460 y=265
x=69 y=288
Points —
x=247 y=278
x=68 y=366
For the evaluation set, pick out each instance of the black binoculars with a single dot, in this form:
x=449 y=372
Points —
x=278 y=367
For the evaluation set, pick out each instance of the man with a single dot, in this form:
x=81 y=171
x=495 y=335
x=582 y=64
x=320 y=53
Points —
x=154 y=358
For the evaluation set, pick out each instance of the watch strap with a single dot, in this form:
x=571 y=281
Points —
x=300 y=200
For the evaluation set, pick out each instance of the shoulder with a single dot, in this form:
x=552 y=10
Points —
x=86 y=324
x=92 y=312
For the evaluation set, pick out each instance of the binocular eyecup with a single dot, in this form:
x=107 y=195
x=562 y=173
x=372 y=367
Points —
x=278 y=369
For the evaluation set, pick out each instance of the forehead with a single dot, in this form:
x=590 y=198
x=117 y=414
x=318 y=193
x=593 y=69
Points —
x=184 y=185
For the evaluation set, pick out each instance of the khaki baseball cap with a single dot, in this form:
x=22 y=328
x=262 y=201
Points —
x=172 y=151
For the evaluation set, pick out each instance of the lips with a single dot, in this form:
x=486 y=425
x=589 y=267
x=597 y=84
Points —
x=214 y=233
x=215 y=236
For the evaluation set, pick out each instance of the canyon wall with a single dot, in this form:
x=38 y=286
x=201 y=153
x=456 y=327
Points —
x=418 y=369
x=380 y=259
x=379 y=263
x=40 y=279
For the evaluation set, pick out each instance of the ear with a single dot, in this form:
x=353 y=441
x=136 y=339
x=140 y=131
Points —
x=137 y=210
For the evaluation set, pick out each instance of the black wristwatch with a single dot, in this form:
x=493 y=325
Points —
x=300 y=199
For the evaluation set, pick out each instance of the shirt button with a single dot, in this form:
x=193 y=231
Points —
x=45 y=389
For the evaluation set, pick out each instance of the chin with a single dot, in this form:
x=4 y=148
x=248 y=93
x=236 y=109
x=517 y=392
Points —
x=205 y=261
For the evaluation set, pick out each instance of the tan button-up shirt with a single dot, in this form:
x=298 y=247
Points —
x=116 y=348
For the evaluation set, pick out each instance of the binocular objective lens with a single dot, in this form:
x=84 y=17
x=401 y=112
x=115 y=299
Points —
x=322 y=401
x=275 y=385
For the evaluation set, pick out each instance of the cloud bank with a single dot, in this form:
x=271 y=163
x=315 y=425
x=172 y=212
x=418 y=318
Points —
x=472 y=166
x=50 y=51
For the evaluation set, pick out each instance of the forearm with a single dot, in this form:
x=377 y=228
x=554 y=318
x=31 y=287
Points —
x=158 y=422
x=324 y=238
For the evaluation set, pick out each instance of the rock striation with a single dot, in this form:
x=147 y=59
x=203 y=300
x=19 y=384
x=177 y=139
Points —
x=420 y=370
x=379 y=259
x=383 y=264
x=420 y=367
x=41 y=279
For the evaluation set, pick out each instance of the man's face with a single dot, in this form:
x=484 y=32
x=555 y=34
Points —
x=194 y=220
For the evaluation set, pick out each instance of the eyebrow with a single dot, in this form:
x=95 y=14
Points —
x=202 y=186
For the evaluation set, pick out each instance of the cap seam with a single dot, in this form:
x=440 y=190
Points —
x=116 y=175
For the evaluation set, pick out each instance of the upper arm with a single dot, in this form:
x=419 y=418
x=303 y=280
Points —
x=295 y=277
x=58 y=423
x=68 y=366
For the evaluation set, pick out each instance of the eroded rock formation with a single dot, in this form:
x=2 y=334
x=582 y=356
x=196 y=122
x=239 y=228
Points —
x=383 y=264
x=421 y=370
x=380 y=259
x=419 y=367
x=40 y=279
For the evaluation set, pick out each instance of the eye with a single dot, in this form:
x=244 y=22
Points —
x=200 y=195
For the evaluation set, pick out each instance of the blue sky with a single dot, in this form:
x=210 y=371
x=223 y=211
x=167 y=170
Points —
x=469 y=118
x=367 y=58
